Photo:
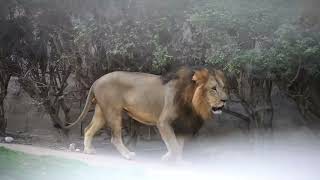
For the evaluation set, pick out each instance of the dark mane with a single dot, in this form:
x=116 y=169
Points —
x=168 y=77
x=177 y=73
x=188 y=121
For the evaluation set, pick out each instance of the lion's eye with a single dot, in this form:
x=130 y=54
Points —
x=214 y=88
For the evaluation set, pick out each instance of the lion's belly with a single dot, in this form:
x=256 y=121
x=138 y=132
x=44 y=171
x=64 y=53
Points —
x=142 y=117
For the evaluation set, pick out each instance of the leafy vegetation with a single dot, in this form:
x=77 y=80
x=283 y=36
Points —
x=257 y=42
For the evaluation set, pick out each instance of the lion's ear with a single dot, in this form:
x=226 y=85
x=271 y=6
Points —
x=219 y=73
x=200 y=76
x=220 y=76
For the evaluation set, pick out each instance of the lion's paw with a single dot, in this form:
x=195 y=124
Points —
x=166 y=157
x=129 y=155
x=89 y=151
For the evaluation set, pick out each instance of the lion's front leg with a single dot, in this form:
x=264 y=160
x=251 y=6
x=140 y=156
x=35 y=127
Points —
x=181 y=140
x=169 y=138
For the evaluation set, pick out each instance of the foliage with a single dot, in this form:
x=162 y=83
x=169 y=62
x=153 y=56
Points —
x=49 y=40
x=161 y=59
x=254 y=35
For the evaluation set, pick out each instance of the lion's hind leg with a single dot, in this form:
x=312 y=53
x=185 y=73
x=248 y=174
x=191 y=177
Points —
x=115 y=123
x=98 y=121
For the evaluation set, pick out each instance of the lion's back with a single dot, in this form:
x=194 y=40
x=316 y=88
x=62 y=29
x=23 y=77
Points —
x=129 y=85
x=129 y=79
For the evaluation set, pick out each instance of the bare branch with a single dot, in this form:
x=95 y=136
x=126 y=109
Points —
x=236 y=114
x=297 y=74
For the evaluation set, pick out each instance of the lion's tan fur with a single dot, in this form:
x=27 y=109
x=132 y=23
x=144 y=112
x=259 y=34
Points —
x=150 y=100
x=200 y=105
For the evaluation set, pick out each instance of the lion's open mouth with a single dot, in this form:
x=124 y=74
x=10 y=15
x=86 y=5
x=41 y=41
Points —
x=217 y=110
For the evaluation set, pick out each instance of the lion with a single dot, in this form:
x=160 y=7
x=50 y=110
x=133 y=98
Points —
x=177 y=104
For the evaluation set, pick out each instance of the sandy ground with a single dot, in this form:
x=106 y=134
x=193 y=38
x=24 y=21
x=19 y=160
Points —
x=151 y=170
x=288 y=155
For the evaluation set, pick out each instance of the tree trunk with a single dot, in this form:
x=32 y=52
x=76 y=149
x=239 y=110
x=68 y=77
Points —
x=305 y=91
x=53 y=112
x=51 y=103
x=4 y=81
x=3 y=121
x=255 y=94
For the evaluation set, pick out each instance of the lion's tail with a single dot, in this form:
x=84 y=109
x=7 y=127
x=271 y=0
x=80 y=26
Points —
x=85 y=109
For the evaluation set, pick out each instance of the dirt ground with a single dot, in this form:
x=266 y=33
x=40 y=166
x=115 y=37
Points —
x=291 y=154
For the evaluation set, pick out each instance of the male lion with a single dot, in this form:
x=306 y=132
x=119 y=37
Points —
x=177 y=103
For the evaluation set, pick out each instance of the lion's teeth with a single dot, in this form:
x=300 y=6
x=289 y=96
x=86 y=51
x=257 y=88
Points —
x=217 y=112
